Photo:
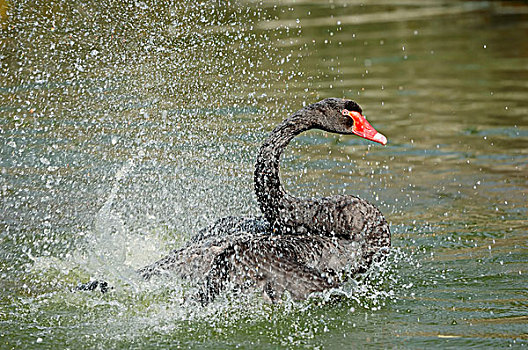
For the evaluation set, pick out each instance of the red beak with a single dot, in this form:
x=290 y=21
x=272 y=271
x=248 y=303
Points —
x=363 y=128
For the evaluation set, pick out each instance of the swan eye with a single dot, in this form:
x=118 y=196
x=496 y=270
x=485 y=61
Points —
x=349 y=120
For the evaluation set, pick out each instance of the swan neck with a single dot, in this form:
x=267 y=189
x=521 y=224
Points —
x=271 y=196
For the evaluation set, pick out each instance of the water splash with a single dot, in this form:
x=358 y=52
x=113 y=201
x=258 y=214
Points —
x=108 y=249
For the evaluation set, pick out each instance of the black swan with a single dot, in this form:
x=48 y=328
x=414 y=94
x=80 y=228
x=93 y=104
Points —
x=299 y=245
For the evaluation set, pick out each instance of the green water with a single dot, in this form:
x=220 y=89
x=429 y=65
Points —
x=126 y=126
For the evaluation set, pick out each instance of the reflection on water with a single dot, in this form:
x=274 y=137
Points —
x=126 y=127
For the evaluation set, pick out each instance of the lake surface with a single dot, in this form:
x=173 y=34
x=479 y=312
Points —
x=127 y=126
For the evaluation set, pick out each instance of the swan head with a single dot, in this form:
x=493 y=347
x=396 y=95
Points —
x=344 y=116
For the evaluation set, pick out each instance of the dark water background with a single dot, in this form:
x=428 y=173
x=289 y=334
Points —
x=126 y=126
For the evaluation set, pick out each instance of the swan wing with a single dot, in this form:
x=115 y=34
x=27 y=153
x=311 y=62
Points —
x=231 y=225
x=276 y=264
